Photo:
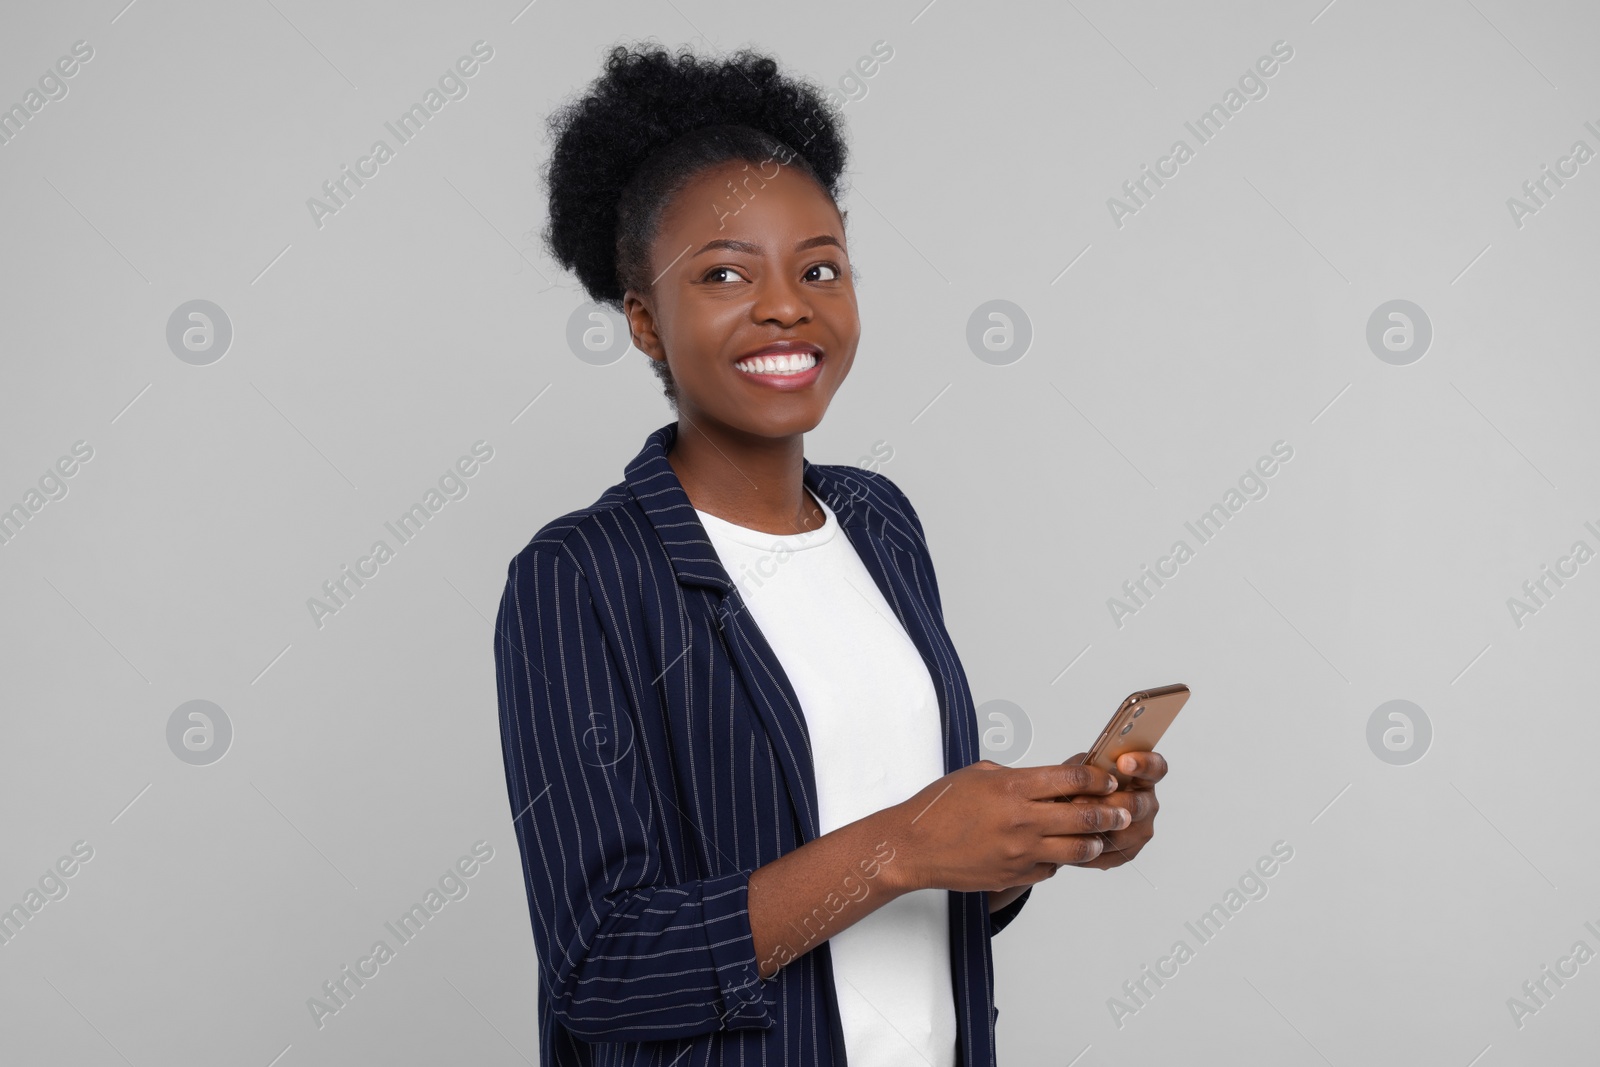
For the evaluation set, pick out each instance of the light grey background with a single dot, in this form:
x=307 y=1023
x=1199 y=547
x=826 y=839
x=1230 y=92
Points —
x=1168 y=354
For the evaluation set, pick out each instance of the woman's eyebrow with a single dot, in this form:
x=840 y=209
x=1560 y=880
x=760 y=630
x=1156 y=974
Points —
x=755 y=249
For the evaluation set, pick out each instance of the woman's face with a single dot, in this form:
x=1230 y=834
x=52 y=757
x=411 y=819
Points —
x=736 y=273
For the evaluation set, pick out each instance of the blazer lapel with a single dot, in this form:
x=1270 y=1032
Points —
x=655 y=486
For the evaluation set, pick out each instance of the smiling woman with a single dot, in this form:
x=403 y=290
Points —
x=758 y=330
x=696 y=768
x=681 y=204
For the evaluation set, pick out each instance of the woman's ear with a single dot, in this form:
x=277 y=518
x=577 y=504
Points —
x=642 y=325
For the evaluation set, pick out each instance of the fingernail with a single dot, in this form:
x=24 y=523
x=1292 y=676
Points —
x=1113 y=783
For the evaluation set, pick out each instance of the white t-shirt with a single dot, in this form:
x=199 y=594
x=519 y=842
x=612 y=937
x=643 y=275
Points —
x=873 y=718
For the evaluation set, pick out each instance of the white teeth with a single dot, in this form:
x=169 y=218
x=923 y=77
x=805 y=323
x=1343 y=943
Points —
x=792 y=363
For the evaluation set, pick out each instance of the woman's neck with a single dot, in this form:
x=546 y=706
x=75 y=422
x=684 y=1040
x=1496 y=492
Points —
x=755 y=482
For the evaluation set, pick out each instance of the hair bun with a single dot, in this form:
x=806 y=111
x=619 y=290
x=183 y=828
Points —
x=614 y=140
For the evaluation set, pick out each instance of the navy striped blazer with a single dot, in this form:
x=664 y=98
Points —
x=656 y=755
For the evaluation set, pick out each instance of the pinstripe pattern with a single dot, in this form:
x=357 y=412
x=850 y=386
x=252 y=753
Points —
x=656 y=755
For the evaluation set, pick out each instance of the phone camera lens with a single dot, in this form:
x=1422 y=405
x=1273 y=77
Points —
x=1128 y=727
x=1138 y=711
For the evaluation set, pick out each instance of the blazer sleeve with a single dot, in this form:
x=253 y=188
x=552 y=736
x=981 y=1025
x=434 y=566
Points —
x=623 y=955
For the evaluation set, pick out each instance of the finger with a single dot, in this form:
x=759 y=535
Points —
x=1141 y=803
x=1114 y=853
x=1041 y=872
x=1088 y=819
x=1133 y=838
x=1073 y=850
x=1076 y=760
x=1142 y=769
x=1060 y=782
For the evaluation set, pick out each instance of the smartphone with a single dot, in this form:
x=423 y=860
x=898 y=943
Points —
x=1137 y=725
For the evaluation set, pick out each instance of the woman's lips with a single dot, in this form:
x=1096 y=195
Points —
x=778 y=378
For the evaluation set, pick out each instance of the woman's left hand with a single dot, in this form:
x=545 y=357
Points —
x=1137 y=775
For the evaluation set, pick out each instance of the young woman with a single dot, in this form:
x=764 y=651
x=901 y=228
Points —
x=741 y=752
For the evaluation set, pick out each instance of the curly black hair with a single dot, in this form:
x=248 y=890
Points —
x=644 y=128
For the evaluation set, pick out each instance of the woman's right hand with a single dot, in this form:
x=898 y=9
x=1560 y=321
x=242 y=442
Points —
x=990 y=827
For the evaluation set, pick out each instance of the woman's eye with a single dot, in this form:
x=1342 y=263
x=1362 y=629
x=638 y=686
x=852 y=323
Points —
x=821 y=272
